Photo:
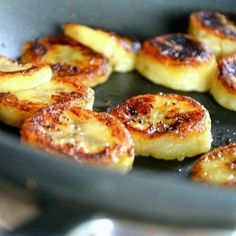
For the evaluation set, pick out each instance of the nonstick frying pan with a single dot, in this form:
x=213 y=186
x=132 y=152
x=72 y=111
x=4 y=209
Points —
x=155 y=191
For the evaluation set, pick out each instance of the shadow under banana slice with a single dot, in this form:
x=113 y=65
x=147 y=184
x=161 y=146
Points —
x=177 y=61
x=216 y=30
x=81 y=135
x=68 y=59
x=120 y=50
x=223 y=88
x=166 y=126
x=17 y=106
x=15 y=76
x=217 y=167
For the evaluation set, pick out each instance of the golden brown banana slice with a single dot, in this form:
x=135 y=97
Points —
x=177 y=61
x=15 y=76
x=15 y=107
x=166 y=126
x=217 y=167
x=216 y=30
x=119 y=49
x=82 y=135
x=223 y=88
x=68 y=60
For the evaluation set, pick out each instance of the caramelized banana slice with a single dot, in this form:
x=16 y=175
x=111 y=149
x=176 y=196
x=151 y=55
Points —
x=177 y=61
x=14 y=76
x=166 y=126
x=68 y=60
x=223 y=88
x=83 y=135
x=16 y=107
x=217 y=167
x=119 y=49
x=216 y=30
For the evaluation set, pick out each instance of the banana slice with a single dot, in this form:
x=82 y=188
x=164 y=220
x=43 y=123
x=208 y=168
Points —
x=119 y=49
x=217 y=167
x=166 y=126
x=177 y=61
x=16 y=107
x=223 y=88
x=216 y=30
x=83 y=135
x=7 y=61
x=68 y=60
x=15 y=76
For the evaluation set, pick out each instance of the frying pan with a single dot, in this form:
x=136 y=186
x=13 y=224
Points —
x=155 y=191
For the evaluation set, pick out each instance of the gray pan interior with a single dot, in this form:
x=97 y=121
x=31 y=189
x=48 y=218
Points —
x=155 y=190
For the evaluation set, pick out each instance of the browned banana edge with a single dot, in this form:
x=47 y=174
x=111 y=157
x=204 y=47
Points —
x=35 y=131
x=215 y=23
x=80 y=92
x=26 y=71
x=140 y=106
x=34 y=51
x=177 y=50
x=227 y=73
x=197 y=171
